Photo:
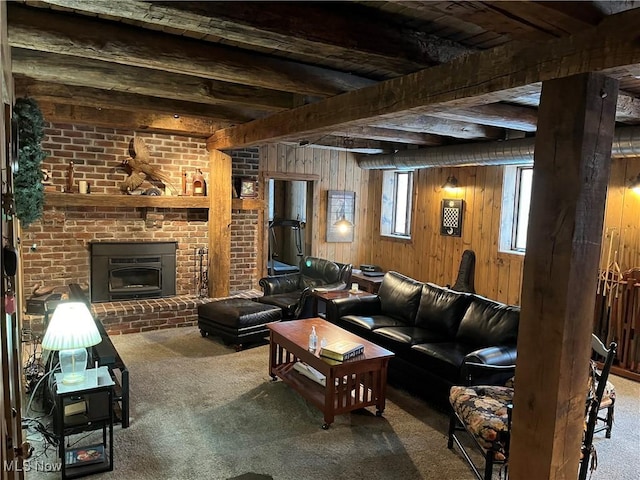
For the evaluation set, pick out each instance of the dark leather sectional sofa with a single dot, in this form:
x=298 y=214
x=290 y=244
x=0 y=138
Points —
x=432 y=330
x=291 y=292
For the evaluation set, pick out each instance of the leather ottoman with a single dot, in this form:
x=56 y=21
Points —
x=237 y=320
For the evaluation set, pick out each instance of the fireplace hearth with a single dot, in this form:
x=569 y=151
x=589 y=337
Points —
x=131 y=270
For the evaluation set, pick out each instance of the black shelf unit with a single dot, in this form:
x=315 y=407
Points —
x=84 y=410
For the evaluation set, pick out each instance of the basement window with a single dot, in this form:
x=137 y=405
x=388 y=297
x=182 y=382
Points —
x=397 y=194
x=516 y=200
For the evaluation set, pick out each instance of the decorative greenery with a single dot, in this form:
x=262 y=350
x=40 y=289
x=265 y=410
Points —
x=27 y=181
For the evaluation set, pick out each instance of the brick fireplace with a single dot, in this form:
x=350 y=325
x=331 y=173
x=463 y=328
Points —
x=56 y=249
x=132 y=270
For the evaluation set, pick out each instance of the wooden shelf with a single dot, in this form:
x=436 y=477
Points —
x=95 y=200
x=55 y=199
x=247 y=204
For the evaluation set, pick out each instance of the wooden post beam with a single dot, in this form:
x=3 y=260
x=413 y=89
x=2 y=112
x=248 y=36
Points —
x=219 y=192
x=571 y=170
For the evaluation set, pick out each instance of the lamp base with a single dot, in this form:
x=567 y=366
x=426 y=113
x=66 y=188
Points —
x=73 y=363
x=73 y=378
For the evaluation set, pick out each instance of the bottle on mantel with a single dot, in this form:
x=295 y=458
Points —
x=184 y=182
x=199 y=185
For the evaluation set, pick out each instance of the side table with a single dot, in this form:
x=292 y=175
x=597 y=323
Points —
x=366 y=282
x=81 y=408
x=320 y=295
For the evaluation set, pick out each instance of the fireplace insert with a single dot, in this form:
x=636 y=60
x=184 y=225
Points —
x=130 y=270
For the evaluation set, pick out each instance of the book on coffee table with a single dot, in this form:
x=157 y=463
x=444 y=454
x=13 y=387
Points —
x=342 y=350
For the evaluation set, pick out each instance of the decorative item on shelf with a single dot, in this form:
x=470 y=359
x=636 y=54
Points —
x=71 y=329
x=451 y=225
x=70 y=173
x=139 y=167
x=184 y=182
x=199 y=185
x=83 y=187
x=247 y=188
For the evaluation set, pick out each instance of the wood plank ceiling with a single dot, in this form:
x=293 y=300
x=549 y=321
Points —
x=198 y=67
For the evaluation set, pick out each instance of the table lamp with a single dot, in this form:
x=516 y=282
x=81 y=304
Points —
x=71 y=329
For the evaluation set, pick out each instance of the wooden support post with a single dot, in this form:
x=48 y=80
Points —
x=571 y=169
x=219 y=191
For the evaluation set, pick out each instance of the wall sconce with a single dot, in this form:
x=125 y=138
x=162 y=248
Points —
x=635 y=184
x=451 y=185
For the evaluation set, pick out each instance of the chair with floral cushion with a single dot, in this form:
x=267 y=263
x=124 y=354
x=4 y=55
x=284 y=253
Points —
x=484 y=413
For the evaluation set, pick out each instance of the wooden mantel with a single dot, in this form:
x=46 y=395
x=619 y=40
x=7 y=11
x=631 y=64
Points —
x=55 y=199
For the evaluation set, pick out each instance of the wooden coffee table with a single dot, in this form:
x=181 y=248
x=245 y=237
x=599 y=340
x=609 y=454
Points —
x=350 y=385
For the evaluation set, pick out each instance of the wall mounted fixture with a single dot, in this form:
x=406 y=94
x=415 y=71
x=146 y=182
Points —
x=451 y=184
x=635 y=184
x=343 y=224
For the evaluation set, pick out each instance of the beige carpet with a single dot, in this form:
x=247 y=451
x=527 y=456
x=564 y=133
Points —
x=202 y=411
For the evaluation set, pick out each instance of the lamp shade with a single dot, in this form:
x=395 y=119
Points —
x=71 y=326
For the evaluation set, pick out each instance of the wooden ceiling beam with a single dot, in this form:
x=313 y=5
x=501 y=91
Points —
x=73 y=71
x=627 y=108
x=355 y=145
x=115 y=118
x=512 y=68
x=37 y=29
x=502 y=115
x=391 y=135
x=516 y=20
x=110 y=99
x=442 y=126
x=349 y=33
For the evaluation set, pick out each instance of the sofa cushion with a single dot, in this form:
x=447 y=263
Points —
x=286 y=301
x=409 y=335
x=399 y=297
x=441 y=309
x=445 y=358
x=369 y=323
x=487 y=322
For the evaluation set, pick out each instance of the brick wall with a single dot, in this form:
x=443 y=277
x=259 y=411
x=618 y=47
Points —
x=244 y=229
x=55 y=250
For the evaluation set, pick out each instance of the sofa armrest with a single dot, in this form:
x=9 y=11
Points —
x=358 y=305
x=489 y=366
x=498 y=355
x=331 y=286
x=280 y=284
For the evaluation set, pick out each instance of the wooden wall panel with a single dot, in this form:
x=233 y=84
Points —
x=622 y=216
x=330 y=166
x=430 y=256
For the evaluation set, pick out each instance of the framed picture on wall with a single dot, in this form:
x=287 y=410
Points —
x=451 y=225
x=341 y=208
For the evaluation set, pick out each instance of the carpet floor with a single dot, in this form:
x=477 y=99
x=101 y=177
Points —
x=199 y=410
